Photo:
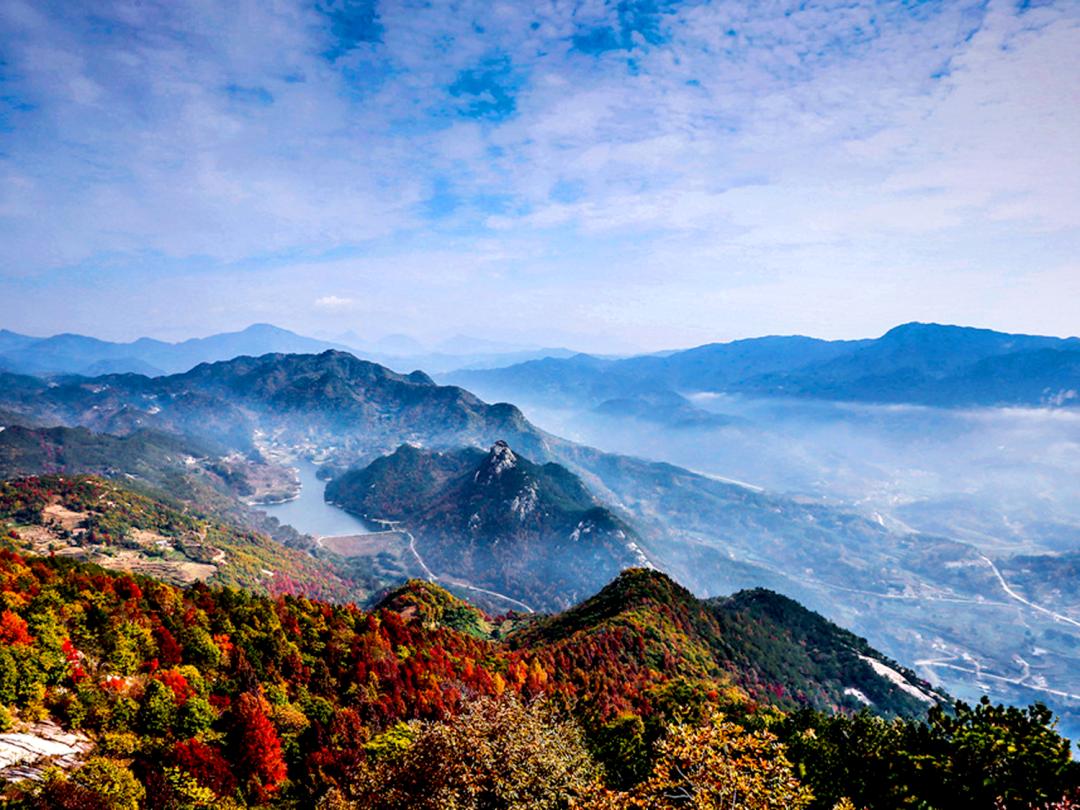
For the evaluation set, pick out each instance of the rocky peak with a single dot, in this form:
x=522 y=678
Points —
x=499 y=459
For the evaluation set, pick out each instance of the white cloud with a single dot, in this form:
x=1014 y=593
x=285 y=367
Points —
x=721 y=176
x=333 y=303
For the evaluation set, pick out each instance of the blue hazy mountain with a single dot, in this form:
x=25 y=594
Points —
x=918 y=363
x=88 y=356
x=92 y=357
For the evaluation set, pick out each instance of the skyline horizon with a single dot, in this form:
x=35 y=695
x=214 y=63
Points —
x=436 y=345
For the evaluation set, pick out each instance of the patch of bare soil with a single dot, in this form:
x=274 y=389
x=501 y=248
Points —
x=60 y=534
x=63 y=517
x=176 y=572
x=151 y=540
x=366 y=545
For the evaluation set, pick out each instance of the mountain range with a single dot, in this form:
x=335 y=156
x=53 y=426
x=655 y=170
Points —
x=913 y=363
x=928 y=364
x=92 y=357
x=332 y=400
x=922 y=597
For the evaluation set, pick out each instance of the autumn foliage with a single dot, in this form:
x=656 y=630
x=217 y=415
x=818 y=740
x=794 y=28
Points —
x=217 y=697
x=13 y=630
x=257 y=746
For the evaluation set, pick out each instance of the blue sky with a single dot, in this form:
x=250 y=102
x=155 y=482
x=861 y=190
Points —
x=638 y=174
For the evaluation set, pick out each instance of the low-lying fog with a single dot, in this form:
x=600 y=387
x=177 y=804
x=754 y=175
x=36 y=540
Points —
x=1004 y=479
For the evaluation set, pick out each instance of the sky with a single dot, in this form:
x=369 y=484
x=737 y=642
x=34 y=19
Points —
x=607 y=176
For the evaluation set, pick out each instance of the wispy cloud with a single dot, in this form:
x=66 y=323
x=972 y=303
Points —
x=333 y=303
x=649 y=172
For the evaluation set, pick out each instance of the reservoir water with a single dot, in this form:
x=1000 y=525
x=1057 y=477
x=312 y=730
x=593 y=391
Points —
x=309 y=513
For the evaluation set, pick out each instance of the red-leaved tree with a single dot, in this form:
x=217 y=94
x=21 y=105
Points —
x=257 y=746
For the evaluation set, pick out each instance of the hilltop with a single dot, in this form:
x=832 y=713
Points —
x=769 y=646
x=496 y=519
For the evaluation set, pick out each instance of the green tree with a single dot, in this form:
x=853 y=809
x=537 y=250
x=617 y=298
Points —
x=982 y=755
x=862 y=757
x=100 y=784
x=129 y=644
x=157 y=711
x=621 y=746
x=200 y=646
x=965 y=757
x=124 y=714
x=112 y=782
x=9 y=676
x=195 y=716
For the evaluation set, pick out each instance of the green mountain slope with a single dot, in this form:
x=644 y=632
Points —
x=776 y=650
x=496 y=520
x=91 y=518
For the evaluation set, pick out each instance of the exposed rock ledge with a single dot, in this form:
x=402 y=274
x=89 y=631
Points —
x=25 y=753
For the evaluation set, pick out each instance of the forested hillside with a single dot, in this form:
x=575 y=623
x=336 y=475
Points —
x=211 y=697
x=90 y=518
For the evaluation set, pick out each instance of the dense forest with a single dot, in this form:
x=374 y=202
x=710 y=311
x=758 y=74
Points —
x=215 y=696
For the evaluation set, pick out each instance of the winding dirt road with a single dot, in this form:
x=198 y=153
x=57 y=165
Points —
x=431 y=576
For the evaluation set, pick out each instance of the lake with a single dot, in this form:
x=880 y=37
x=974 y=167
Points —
x=310 y=514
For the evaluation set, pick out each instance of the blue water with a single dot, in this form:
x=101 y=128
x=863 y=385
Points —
x=311 y=514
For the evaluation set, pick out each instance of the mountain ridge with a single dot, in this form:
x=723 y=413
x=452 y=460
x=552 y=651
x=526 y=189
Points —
x=713 y=535
x=920 y=363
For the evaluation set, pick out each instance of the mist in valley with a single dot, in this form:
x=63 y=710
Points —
x=1003 y=479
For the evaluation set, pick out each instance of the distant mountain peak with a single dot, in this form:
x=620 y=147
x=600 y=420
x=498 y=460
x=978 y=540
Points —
x=929 y=328
x=265 y=329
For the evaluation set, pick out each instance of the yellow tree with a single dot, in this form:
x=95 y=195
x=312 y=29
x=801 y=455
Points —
x=719 y=765
x=499 y=754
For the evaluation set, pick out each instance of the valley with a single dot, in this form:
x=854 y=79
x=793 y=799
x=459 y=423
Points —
x=816 y=536
x=845 y=506
x=376 y=477
x=948 y=488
